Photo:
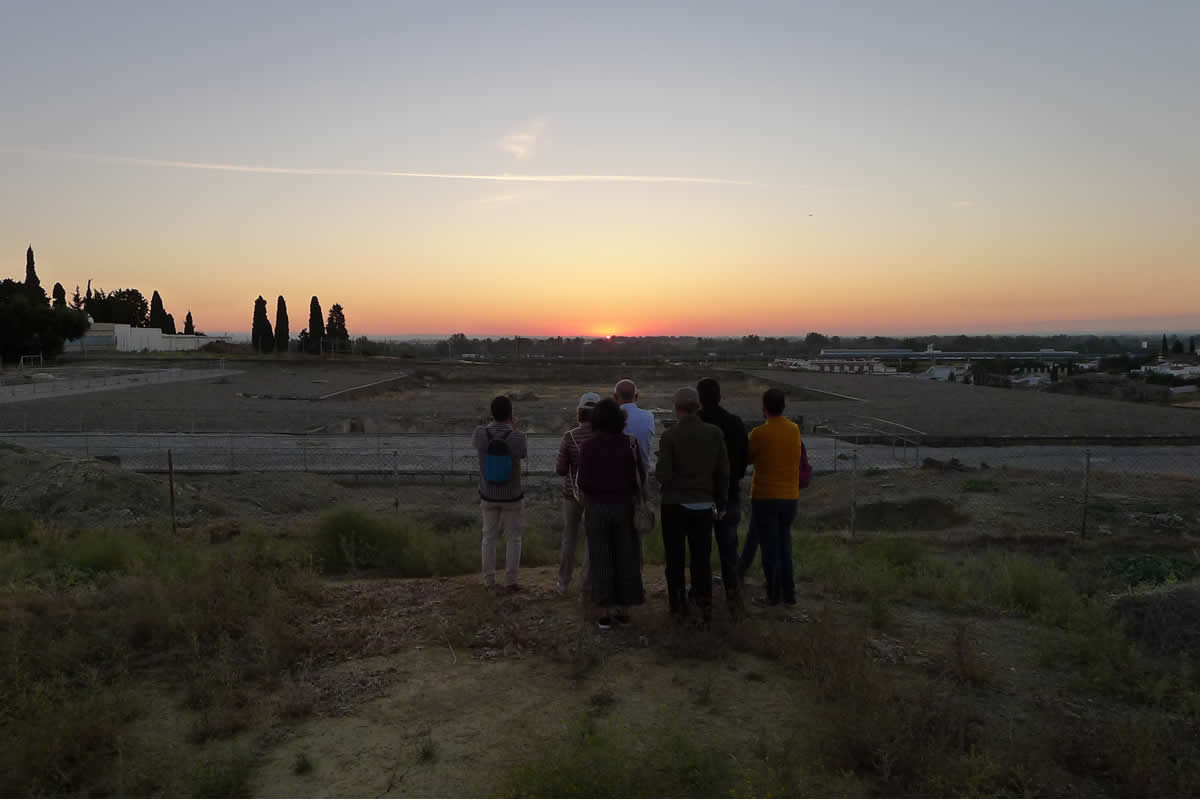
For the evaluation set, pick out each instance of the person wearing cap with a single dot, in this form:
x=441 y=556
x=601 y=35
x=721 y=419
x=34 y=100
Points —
x=693 y=470
x=639 y=423
x=567 y=466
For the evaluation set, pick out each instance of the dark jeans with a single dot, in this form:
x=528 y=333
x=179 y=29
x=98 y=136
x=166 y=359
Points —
x=773 y=521
x=725 y=533
x=684 y=529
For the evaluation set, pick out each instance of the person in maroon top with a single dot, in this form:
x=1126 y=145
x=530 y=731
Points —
x=610 y=467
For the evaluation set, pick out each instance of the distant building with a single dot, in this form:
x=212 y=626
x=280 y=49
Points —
x=848 y=365
x=112 y=337
x=930 y=354
x=943 y=373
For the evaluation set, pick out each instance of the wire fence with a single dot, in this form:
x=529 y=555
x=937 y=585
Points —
x=453 y=453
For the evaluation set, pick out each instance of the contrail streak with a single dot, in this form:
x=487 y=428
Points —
x=461 y=176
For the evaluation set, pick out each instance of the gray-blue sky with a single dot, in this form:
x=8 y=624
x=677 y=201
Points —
x=991 y=145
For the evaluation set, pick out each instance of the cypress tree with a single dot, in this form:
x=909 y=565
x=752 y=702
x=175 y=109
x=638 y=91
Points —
x=1192 y=345
x=60 y=296
x=169 y=327
x=158 y=314
x=316 y=326
x=261 y=336
x=31 y=278
x=33 y=285
x=189 y=328
x=77 y=299
x=1163 y=350
x=1176 y=345
x=282 y=333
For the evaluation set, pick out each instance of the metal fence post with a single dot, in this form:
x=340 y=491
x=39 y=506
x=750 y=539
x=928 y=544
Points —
x=853 y=494
x=1087 y=475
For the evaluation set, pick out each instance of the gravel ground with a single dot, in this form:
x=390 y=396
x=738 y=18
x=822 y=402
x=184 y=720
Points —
x=954 y=409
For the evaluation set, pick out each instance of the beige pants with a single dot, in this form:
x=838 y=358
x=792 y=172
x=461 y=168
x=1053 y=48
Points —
x=506 y=519
x=572 y=533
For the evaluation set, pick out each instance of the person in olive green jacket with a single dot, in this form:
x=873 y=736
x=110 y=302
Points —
x=693 y=470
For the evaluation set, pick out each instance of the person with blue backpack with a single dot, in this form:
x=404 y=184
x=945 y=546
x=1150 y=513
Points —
x=501 y=449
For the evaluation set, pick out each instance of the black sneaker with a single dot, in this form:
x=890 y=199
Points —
x=604 y=623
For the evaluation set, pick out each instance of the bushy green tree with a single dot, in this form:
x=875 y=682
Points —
x=77 y=299
x=121 y=306
x=169 y=326
x=335 y=328
x=60 y=296
x=29 y=327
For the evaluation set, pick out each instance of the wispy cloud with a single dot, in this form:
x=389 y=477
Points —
x=334 y=171
x=522 y=141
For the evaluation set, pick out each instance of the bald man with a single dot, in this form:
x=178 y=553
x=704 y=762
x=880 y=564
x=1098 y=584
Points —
x=638 y=423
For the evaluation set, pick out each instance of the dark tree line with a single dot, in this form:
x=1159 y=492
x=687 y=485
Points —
x=29 y=323
x=321 y=334
x=128 y=307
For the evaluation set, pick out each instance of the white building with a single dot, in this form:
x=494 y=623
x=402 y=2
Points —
x=109 y=337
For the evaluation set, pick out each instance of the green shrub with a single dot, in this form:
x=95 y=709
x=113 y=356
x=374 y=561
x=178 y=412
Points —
x=15 y=526
x=594 y=762
x=349 y=538
x=229 y=777
x=104 y=551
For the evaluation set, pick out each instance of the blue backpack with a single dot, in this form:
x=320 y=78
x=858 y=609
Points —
x=498 y=460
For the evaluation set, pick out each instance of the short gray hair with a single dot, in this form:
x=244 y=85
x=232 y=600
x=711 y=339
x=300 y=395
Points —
x=687 y=399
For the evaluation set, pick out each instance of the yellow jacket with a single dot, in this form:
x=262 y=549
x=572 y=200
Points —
x=775 y=454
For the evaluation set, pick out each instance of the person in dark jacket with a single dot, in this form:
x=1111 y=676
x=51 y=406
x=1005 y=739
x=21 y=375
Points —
x=610 y=471
x=693 y=470
x=725 y=528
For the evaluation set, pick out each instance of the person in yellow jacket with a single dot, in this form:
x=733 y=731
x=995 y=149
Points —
x=775 y=452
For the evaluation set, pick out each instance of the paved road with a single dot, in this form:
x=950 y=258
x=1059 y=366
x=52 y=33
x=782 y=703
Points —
x=439 y=453
x=40 y=390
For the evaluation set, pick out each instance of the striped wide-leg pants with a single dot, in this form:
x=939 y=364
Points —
x=616 y=555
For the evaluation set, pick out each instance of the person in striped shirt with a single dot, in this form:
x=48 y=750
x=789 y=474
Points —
x=567 y=466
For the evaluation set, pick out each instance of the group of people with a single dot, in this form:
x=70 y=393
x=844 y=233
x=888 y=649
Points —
x=605 y=464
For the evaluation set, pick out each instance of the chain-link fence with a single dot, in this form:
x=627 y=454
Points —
x=453 y=453
x=1081 y=488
